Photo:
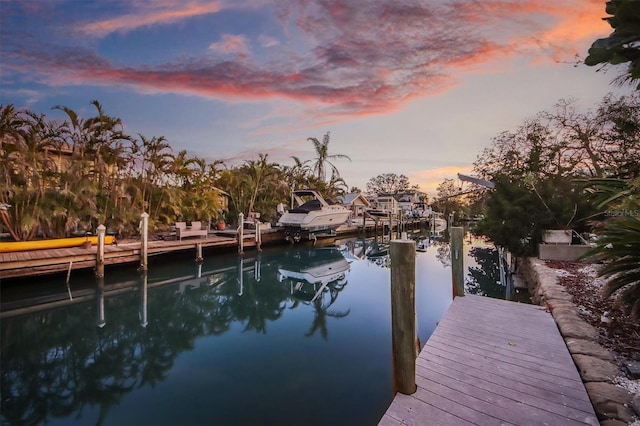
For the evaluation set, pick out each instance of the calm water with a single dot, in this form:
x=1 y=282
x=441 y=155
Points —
x=233 y=341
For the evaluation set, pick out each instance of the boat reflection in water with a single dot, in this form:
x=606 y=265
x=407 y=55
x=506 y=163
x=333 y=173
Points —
x=316 y=277
x=270 y=331
x=311 y=271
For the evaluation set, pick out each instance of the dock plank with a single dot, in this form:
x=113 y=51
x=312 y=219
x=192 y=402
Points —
x=493 y=362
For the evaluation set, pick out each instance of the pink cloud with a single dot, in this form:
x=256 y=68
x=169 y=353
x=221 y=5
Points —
x=362 y=58
x=230 y=44
x=149 y=13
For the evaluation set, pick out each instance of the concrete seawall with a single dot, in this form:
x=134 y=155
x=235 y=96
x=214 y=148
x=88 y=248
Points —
x=613 y=404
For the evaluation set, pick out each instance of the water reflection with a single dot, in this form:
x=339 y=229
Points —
x=484 y=278
x=56 y=361
x=316 y=277
x=271 y=331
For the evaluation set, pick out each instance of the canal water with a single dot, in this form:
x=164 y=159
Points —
x=292 y=335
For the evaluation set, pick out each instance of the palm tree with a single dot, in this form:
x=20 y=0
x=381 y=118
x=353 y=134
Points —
x=183 y=168
x=323 y=158
x=155 y=169
x=258 y=171
x=29 y=174
x=618 y=246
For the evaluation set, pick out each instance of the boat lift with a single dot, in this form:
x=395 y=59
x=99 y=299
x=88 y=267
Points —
x=485 y=184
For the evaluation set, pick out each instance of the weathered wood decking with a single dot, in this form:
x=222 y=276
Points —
x=494 y=362
x=39 y=262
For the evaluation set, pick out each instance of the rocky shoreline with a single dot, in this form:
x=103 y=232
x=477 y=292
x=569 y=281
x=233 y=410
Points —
x=614 y=395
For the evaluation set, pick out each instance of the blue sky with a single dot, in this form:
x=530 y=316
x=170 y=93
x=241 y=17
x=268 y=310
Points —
x=404 y=86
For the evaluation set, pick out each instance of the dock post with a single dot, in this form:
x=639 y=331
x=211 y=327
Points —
x=258 y=237
x=100 y=322
x=199 y=257
x=403 y=314
x=144 y=243
x=457 y=264
x=100 y=253
x=240 y=233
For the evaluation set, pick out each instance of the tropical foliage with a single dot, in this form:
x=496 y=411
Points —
x=618 y=245
x=621 y=47
x=58 y=178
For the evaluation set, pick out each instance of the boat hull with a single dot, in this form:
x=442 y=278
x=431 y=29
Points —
x=312 y=215
x=52 y=244
x=315 y=221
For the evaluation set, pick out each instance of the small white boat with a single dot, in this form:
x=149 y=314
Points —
x=312 y=215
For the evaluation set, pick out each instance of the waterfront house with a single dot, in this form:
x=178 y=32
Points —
x=356 y=202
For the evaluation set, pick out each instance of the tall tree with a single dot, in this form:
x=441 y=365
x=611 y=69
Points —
x=29 y=174
x=323 y=158
x=567 y=142
x=388 y=183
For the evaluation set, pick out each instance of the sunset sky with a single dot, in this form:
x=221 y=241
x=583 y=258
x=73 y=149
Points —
x=404 y=86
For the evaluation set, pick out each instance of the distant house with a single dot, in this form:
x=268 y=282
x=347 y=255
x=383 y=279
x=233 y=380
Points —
x=408 y=201
x=411 y=200
x=386 y=202
x=356 y=202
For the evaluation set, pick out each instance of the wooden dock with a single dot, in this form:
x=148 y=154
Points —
x=48 y=261
x=52 y=261
x=494 y=362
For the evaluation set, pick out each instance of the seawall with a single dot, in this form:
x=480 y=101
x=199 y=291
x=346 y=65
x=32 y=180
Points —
x=613 y=404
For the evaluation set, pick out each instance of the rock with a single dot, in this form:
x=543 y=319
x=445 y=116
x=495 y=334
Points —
x=557 y=304
x=557 y=293
x=577 y=329
x=636 y=404
x=594 y=369
x=610 y=401
x=566 y=314
x=588 y=347
x=633 y=368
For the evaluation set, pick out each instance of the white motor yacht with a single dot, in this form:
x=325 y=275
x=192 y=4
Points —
x=312 y=214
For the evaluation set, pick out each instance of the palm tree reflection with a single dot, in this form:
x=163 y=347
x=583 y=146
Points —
x=56 y=361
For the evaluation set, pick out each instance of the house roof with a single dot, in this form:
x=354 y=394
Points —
x=349 y=199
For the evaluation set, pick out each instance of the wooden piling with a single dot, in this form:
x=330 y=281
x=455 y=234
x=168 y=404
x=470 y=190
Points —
x=457 y=264
x=144 y=241
x=403 y=314
x=258 y=237
x=241 y=233
x=100 y=252
x=199 y=257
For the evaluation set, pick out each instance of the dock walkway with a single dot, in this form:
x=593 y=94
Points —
x=48 y=261
x=494 y=362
